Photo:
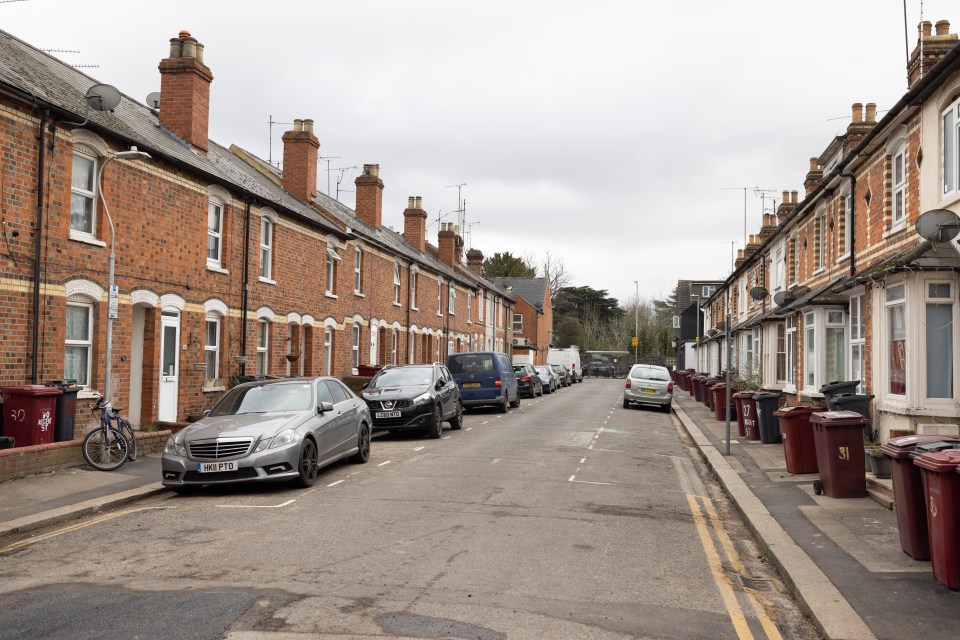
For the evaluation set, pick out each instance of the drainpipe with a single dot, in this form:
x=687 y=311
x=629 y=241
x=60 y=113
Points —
x=38 y=251
x=444 y=349
x=246 y=284
x=853 y=218
x=406 y=353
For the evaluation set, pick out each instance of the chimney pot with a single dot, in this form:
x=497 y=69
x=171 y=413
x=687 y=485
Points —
x=184 y=33
x=786 y=197
x=871 y=113
x=926 y=27
x=308 y=126
x=943 y=27
x=189 y=47
x=176 y=47
x=371 y=170
x=857 y=112
x=297 y=125
x=199 y=53
x=813 y=164
x=793 y=197
x=418 y=202
x=410 y=202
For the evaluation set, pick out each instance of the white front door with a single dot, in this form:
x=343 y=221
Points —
x=136 y=366
x=169 y=365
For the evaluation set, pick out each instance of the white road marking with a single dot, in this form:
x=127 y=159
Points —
x=608 y=484
x=582 y=460
x=485 y=422
x=419 y=448
x=571 y=478
x=610 y=450
x=468 y=428
x=384 y=463
x=591 y=448
x=257 y=506
x=333 y=484
x=447 y=437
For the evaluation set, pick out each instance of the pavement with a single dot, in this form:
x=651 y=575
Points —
x=841 y=558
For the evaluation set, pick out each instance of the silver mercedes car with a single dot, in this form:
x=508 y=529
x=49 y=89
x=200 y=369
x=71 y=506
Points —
x=270 y=431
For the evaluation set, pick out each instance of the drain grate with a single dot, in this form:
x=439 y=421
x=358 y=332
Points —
x=756 y=584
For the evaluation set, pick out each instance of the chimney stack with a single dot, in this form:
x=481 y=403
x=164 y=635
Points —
x=447 y=243
x=934 y=47
x=814 y=176
x=300 y=148
x=415 y=224
x=185 y=91
x=787 y=206
x=475 y=261
x=370 y=195
x=859 y=127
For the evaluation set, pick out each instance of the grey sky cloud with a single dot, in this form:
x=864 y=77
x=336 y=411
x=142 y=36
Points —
x=604 y=132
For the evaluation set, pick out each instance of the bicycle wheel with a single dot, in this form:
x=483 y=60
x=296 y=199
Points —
x=104 y=451
x=127 y=431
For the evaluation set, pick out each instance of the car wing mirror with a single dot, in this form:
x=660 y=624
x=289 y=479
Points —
x=365 y=385
x=440 y=384
x=324 y=407
x=206 y=412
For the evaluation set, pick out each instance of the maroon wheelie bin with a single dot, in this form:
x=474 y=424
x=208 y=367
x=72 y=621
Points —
x=696 y=387
x=30 y=411
x=708 y=386
x=838 y=437
x=907 y=481
x=751 y=426
x=797 y=433
x=719 y=393
x=942 y=492
x=738 y=399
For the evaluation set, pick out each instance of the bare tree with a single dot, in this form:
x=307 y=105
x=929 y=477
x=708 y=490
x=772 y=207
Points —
x=556 y=273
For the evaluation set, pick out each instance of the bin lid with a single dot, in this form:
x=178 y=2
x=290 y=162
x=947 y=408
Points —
x=765 y=395
x=31 y=390
x=797 y=410
x=839 y=384
x=902 y=446
x=945 y=461
x=933 y=445
x=744 y=395
x=844 y=398
x=838 y=418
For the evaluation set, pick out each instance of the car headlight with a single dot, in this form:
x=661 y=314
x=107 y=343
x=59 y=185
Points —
x=282 y=439
x=175 y=448
x=423 y=398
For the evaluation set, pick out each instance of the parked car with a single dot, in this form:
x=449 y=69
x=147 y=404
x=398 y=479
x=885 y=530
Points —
x=562 y=373
x=269 y=431
x=648 y=384
x=485 y=378
x=548 y=379
x=528 y=382
x=414 y=396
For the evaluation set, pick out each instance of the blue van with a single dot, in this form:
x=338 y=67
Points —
x=485 y=378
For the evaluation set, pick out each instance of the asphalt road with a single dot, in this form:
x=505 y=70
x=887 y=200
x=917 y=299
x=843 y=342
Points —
x=567 y=518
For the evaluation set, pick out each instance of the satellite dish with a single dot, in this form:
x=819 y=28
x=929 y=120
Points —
x=782 y=298
x=102 y=97
x=800 y=290
x=938 y=225
x=758 y=293
x=153 y=100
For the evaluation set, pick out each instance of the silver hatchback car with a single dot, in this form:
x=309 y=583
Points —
x=648 y=384
x=270 y=431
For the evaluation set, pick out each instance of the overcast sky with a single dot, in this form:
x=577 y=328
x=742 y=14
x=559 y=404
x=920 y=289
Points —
x=607 y=132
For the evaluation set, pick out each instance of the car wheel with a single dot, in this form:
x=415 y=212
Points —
x=308 y=463
x=626 y=403
x=541 y=391
x=516 y=403
x=456 y=422
x=436 y=429
x=363 y=446
x=666 y=408
x=502 y=407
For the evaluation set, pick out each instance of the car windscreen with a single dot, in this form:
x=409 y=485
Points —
x=267 y=398
x=402 y=377
x=545 y=370
x=471 y=363
x=647 y=373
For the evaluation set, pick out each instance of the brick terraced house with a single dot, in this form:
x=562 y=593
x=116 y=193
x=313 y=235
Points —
x=839 y=284
x=225 y=265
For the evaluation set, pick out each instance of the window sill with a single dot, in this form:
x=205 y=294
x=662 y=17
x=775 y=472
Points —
x=818 y=271
x=843 y=258
x=267 y=280
x=358 y=294
x=332 y=296
x=397 y=304
x=894 y=230
x=212 y=389
x=217 y=269
x=86 y=393
x=789 y=388
x=415 y=308
x=86 y=238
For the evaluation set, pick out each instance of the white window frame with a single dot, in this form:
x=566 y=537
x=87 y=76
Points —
x=374 y=340
x=516 y=324
x=87 y=195
x=833 y=320
x=451 y=300
x=355 y=348
x=263 y=347
x=414 y=277
x=267 y=227
x=439 y=296
x=215 y=234
x=327 y=350
x=898 y=186
x=358 y=270
x=469 y=307
x=857 y=340
x=331 y=271
x=810 y=351
x=790 y=323
x=948 y=300
x=211 y=349
x=820 y=241
x=82 y=344
x=950 y=146
x=396 y=283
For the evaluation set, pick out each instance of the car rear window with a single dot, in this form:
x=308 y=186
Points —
x=471 y=363
x=649 y=373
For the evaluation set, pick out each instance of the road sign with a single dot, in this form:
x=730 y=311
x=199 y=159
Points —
x=113 y=308
x=634 y=341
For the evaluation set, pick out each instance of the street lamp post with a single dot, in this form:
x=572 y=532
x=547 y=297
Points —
x=636 y=325
x=113 y=292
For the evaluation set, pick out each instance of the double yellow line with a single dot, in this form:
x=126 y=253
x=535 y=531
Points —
x=64 y=530
x=704 y=524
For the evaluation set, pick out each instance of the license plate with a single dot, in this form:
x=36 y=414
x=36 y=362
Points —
x=648 y=390
x=216 y=467
x=387 y=414
x=471 y=385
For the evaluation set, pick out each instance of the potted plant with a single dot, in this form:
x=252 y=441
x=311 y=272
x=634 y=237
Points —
x=877 y=460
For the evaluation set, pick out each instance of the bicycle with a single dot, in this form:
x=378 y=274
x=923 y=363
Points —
x=108 y=447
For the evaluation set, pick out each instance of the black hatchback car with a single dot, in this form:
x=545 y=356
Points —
x=528 y=382
x=414 y=396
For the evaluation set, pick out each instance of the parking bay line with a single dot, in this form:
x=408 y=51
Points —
x=419 y=448
x=383 y=463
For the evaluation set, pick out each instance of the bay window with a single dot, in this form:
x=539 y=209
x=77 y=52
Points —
x=950 y=121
